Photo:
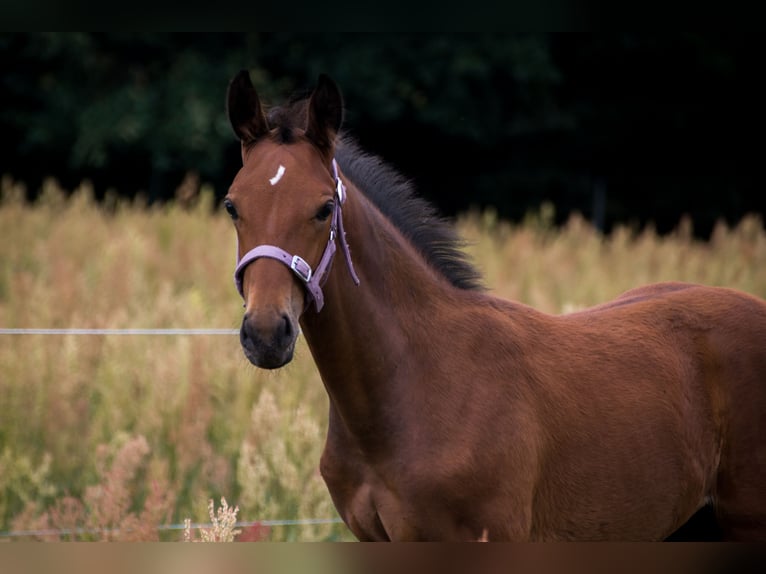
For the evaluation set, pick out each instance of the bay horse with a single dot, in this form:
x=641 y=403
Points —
x=457 y=415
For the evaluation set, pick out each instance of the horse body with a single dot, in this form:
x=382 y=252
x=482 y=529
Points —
x=507 y=442
x=458 y=415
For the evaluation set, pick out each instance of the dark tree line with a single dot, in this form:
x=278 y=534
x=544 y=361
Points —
x=621 y=127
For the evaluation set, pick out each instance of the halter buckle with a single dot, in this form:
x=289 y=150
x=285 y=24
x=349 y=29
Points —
x=301 y=268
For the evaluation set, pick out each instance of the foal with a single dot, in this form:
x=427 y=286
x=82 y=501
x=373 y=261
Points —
x=454 y=413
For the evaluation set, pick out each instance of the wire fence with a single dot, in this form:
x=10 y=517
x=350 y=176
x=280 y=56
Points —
x=5 y=331
x=161 y=527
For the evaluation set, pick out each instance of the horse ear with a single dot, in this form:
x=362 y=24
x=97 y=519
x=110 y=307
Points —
x=244 y=109
x=325 y=113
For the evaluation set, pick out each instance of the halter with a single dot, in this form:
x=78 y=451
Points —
x=312 y=279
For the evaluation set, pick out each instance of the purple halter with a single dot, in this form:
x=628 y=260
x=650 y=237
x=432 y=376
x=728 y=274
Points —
x=312 y=279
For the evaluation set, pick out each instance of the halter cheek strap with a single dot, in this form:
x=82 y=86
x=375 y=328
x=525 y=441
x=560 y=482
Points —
x=312 y=279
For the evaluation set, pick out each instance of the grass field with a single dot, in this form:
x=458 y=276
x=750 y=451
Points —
x=114 y=435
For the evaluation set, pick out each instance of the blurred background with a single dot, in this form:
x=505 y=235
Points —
x=622 y=128
x=577 y=166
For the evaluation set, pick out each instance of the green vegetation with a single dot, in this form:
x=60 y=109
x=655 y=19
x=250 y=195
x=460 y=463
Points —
x=127 y=432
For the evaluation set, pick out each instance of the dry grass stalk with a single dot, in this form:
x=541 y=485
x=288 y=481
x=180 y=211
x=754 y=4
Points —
x=223 y=521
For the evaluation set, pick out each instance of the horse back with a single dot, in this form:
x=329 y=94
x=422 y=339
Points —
x=716 y=334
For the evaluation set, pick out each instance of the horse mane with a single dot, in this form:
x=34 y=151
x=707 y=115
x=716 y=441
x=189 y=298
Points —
x=417 y=219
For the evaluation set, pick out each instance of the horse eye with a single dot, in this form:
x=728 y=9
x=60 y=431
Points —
x=230 y=209
x=325 y=211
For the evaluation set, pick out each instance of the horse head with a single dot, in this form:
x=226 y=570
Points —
x=285 y=205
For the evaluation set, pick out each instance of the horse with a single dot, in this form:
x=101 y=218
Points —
x=458 y=415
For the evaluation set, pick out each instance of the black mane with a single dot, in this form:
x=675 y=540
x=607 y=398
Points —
x=415 y=218
x=394 y=196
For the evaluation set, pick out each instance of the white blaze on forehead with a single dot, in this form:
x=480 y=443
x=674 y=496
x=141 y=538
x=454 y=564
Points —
x=278 y=175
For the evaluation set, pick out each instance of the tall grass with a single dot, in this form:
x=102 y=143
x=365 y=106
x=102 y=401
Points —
x=106 y=437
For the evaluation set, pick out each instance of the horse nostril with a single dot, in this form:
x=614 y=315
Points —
x=245 y=337
x=287 y=328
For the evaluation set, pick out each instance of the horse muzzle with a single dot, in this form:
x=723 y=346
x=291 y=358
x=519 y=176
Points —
x=268 y=338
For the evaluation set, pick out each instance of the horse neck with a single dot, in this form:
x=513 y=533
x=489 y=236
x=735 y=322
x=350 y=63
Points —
x=362 y=338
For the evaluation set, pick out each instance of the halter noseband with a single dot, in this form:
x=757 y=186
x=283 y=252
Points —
x=312 y=279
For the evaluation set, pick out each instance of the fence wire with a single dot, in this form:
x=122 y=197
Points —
x=5 y=331
x=165 y=527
